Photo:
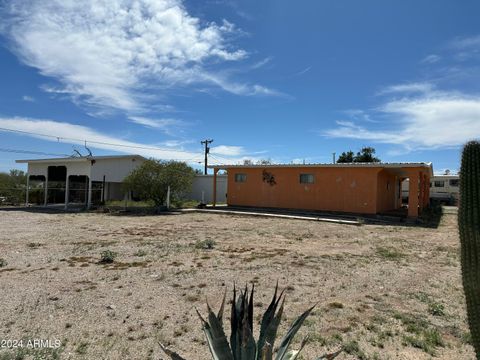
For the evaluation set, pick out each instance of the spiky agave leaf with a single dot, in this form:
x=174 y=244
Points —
x=272 y=329
x=222 y=307
x=271 y=321
x=293 y=354
x=173 y=355
x=216 y=339
x=266 y=352
x=250 y=307
x=234 y=325
x=248 y=346
x=249 y=350
x=287 y=339
x=241 y=338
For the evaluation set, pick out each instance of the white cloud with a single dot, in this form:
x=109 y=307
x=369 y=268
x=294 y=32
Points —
x=56 y=131
x=28 y=98
x=415 y=87
x=238 y=88
x=106 y=52
x=77 y=134
x=359 y=115
x=466 y=42
x=176 y=143
x=431 y=59
x=162 y=124
x=466 y=48
x=425 y=121
x=262 y=63
x=227 y=150
x=304 y=71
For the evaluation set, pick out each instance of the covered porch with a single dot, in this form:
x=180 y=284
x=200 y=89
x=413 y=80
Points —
x=418 y=191
x=80 y=181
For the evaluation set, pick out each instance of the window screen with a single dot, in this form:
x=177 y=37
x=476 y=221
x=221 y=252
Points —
x=307 y=179
x=240 y=177
x=439 y=183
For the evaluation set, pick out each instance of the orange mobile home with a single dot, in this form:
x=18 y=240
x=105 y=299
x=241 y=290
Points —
x=363 y=188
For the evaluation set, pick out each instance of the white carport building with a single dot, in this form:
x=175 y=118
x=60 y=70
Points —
x=78 y=180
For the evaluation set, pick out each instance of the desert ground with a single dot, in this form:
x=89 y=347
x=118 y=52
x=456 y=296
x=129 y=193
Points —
x=383 y=291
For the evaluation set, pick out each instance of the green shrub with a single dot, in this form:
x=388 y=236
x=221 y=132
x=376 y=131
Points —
x=108 y=257
x=389 y=253
x=352 y=348
x=207 y=244
x=436 y=309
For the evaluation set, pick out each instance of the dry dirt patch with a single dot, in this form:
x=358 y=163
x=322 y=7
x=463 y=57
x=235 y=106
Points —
x=384 y=292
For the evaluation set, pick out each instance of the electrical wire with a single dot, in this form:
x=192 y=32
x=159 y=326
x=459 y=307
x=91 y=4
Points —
x=215 y=158
x=220 y=158
x=93 y=141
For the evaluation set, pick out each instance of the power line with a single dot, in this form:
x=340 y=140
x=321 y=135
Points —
x=93 y=141
x=220 y=158
x=215 y=157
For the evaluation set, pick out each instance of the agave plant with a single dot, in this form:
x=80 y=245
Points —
x=242 y=344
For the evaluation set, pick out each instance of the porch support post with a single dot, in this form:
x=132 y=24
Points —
x=27 y=191
x=215 y=171
x=427 y=189
x=67 y=190
x=400 y=194
x=421 y=193
x=413 y=194
x=45 y=190
x=89 y=194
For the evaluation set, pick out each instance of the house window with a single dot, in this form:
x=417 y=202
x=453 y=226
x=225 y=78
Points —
x=307 y=179
x=454 y=182
x=240 y=177
x=439 y=183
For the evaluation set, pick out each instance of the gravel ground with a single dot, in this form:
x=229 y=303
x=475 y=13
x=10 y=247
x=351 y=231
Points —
x=383 y=292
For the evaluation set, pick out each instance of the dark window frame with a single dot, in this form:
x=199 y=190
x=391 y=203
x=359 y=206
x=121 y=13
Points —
x=454 y=182
x=240 y=177
x=302 y=177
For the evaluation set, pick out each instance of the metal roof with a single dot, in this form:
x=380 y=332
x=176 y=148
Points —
x=80 y=159
x=336 y=165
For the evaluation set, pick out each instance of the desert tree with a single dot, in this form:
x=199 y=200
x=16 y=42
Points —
x=150 y=181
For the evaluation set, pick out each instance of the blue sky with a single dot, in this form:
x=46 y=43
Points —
x=288 y=81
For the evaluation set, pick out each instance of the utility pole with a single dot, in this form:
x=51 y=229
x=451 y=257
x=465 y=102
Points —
x=207 y=150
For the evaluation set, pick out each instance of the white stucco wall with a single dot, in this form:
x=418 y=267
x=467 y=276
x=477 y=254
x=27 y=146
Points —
x=115 y=170
x=73 y=168
x=205 y=183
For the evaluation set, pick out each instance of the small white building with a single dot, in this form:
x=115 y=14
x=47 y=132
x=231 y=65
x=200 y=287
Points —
x=202 y=189
x=79 y=180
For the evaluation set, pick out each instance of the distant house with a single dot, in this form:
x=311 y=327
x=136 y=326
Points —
x=80 y=180
x=363 y=188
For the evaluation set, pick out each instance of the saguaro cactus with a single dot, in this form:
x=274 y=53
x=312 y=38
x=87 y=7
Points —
x=469 y=227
